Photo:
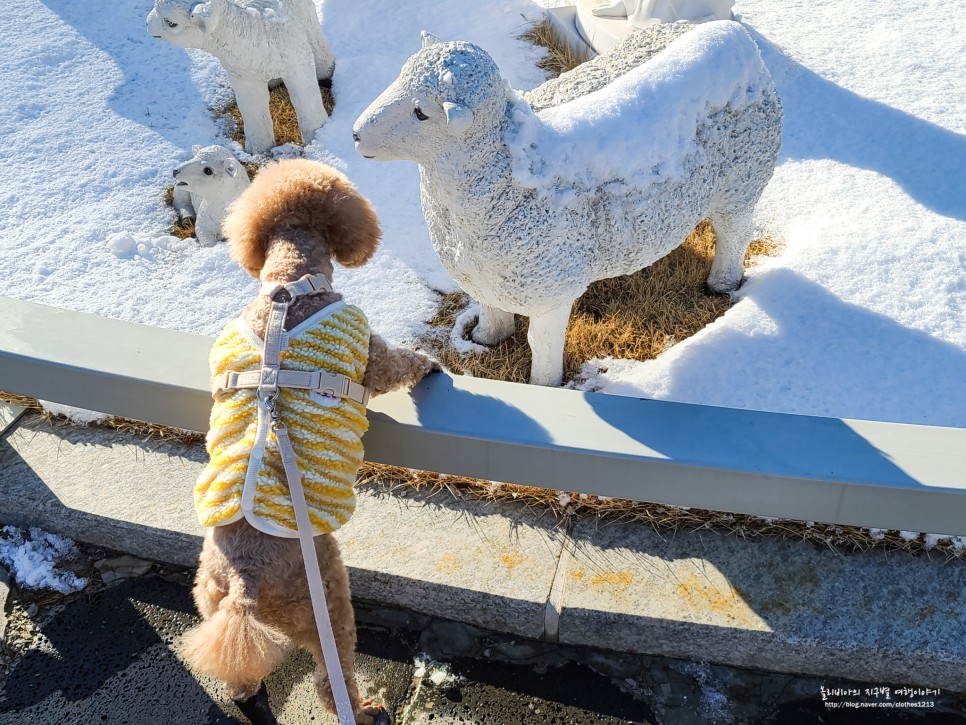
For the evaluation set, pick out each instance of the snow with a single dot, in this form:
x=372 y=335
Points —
x=32 y=559
x=594 y=137
x=79 y=416
x=862 y=315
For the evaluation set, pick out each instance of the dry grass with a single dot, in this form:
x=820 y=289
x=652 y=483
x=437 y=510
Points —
x=146 y=431
x=284 y=119
x=566 y=507
x=637 y=316
x=561 y=56
x=664 y=519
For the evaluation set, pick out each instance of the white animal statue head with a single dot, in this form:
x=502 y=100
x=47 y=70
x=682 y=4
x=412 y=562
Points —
x=205 y=186
x=209 y=169
x=459 y=93
x=183 y=22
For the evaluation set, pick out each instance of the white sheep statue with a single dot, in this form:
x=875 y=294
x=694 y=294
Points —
x=258 y=42
x=525 y=209
x=640 y=13
x=205 y=186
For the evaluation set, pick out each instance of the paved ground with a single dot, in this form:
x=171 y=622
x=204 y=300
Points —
x=106 y=656
x=109 y=658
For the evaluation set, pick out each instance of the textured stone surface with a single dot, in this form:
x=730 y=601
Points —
x=107 y=488
x=472 y=561
x=781 y=606
x=480 y=563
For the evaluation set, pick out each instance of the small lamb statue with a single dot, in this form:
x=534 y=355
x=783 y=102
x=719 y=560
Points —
x=646 y=12
x=525 y=209
x=204 y=188
x=258 y=42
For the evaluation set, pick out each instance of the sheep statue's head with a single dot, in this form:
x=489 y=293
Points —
x=446 y=93
x=209 y=169
x=184 y=23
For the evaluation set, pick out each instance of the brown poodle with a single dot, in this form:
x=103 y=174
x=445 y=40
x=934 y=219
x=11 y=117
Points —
x=251 y=589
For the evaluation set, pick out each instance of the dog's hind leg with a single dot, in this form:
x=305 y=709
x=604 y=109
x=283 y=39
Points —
x=257 y=709
x=339 y=603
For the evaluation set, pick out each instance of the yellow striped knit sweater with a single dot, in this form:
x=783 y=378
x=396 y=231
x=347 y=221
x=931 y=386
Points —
x=326 y=432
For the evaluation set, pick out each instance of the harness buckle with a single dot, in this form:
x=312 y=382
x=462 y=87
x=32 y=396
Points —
x=269 y=401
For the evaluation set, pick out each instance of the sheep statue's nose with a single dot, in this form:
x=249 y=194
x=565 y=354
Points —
x=355 y=137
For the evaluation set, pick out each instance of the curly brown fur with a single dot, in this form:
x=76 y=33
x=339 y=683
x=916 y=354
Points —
x=301 y=194
x=250 y=588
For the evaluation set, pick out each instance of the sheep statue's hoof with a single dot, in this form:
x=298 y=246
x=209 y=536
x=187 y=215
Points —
x=382 y=717
x=710 y=291
x=257 y=709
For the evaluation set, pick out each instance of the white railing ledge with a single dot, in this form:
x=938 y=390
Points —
x=884 y=475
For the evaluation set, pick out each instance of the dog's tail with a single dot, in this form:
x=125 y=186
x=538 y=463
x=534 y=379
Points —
x=233 y=645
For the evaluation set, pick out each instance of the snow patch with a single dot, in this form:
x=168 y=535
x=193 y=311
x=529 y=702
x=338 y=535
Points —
x=33 y=557
x=80 y=416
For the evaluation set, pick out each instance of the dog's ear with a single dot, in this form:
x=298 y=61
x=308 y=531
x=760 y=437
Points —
x=306 y=196
x=352 y=234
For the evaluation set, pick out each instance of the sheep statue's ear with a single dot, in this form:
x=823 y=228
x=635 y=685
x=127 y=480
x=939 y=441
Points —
x=231 y=167
x=429 y=39
x=195 y=149
x=204 y=16
x=458 y=118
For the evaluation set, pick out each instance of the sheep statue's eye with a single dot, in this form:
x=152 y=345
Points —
x=170 y=24
x=418 y=112
x=208 y=171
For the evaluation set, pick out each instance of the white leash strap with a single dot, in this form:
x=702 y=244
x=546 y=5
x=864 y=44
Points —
x=330 y=653
x=267 y=393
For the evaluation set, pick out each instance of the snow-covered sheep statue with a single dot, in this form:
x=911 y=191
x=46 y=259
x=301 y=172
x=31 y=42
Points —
x=258 y=42
x=525 y=209
x=204 y=187
x=645 y=12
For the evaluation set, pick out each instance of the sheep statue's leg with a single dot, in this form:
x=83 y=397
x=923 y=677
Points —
x=322 y=52
x=494 y=326
x=303 y=89
x=181 y=201
x=546 y=337
x=207 y=226
x=252 y=99
x=732 y=230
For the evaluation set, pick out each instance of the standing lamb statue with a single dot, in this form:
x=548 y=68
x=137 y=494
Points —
x=205 y=186
x=258 y=42
x=525 y=209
